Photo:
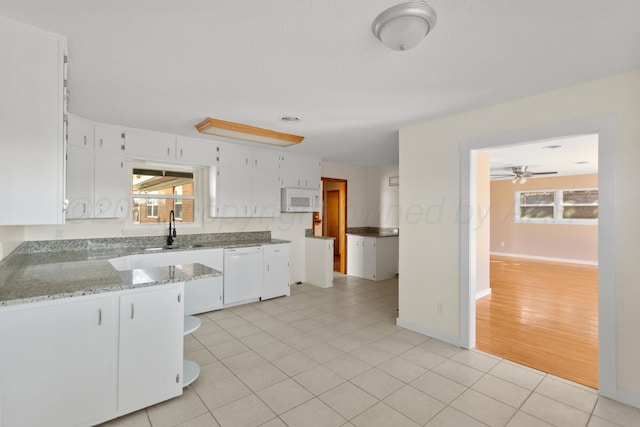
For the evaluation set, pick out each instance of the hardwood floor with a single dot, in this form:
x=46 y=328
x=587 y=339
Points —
x=543 y=315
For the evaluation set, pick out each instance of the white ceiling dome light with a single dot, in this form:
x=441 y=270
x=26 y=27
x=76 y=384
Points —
x=403 y=26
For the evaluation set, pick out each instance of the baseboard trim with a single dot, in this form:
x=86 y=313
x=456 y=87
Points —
x=544 y=258
x=627 y=397
x=429 y=332
x=483 y=294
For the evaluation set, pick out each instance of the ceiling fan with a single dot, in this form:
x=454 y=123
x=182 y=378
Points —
x=521 y=174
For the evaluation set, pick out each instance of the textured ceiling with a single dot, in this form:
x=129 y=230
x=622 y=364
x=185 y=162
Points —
x=167 y=64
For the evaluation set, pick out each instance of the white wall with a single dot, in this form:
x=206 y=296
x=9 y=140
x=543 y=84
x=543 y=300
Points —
x=10 y=237
x=430 y=245
x=371 y=202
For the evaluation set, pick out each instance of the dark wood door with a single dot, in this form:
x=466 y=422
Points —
x=332 y=218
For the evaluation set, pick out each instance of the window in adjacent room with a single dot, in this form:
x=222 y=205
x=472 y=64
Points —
x=565 y=206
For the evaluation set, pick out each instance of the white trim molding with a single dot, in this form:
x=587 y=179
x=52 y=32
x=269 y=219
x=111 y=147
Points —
x=483 y=294
x=546 y=258
x=450 y=339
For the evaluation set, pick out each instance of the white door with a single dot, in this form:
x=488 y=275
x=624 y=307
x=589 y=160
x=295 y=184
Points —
x=234 y=192
x=148 y=145
x=368 y=251
x=110 y=192
x=79 y=182
x=58 y=362
x=277 y=271
x=151 y=342
x=353 y=255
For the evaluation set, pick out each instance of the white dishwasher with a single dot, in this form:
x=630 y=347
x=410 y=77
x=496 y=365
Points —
x=242 y=274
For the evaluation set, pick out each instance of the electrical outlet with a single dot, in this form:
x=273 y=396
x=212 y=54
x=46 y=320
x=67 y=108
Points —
x=502 y=244
x=440 y=308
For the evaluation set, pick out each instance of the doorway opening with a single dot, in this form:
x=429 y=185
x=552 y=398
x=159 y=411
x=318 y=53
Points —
x=605 y=128
x=332 y=221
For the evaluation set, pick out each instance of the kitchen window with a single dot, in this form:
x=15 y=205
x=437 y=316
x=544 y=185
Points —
x=157 y=191
x=564 y=206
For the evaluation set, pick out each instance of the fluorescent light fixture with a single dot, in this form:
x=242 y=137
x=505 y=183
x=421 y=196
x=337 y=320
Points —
x=234 y=130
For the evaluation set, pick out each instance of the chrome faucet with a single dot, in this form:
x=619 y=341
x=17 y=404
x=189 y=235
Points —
x=172 y=231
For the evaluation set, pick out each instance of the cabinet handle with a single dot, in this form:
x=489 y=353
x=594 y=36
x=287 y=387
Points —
x=177 y=378
x=100 y=207
x=100 y=142
x=255 y=162
x=85 y=139
x=179 y=296
x=99 y=317
x=268 y=267
x=255 y=209
x=133 y=310
x=84 y=208
x=246 y=161
x=168 y=150
x=181 y=152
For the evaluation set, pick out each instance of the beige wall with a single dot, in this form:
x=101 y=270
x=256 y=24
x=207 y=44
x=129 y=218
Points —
x=371 y=202
x=563 y=241
x=10 y=237
x=430 y=250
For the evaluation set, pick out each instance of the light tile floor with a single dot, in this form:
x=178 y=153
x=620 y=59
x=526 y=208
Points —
x=334 y=357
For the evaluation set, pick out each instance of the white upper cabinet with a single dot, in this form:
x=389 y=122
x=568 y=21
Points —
x=149 y=145
x=96 y=177
x=299 y=171
x=196 y=151
x=235 y=156
x=32 y=124
x=109 y=138
x=310 y=177
x=245 y=184
x=290 y=171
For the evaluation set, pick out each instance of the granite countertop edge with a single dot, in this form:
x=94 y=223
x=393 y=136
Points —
x=33 y=274
x=374 y=234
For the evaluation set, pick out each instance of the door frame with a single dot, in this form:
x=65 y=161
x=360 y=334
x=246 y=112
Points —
x=343 y=218
x=606 y=128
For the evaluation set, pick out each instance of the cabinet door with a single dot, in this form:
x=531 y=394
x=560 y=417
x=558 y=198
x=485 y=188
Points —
x=150 y=350
x=110 y=192
x=277 y=271
x=310 y=173
x=290 y=171
x=79 y=181
x=353 y=255
x=233 y=192
x=368 y=258
x=108 y=138
x=58 y=362
x=266 y=159
x=79 y=132
x=235 y=156
x=148 y=145
x=265 y=190
x=31 y=125
x=196 y=151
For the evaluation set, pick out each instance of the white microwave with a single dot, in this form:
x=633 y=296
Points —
x=299 y=200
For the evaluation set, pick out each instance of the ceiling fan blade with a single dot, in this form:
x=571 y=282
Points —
x=543 y=173
x=508 y=175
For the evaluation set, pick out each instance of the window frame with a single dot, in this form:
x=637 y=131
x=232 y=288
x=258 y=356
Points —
x=558 y=207
x=132 y=228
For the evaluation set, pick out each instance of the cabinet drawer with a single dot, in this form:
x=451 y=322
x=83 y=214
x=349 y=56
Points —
x=277 y=250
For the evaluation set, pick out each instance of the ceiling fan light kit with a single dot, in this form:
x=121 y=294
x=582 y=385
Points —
x=217 y=127
x=403 y=26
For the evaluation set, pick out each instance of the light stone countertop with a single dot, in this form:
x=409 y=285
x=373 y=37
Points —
x=40 y=271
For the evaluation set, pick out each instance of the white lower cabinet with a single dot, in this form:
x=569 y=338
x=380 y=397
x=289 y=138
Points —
x=373 y=258
x=81 y=361
x=277 y=271
x=150 y=351
x=58 y=362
